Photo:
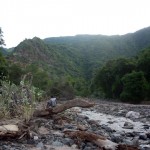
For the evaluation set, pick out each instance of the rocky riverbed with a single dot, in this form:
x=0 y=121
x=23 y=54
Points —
x=120 y=123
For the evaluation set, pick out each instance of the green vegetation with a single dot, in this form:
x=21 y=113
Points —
x=3 y=63
x=1 y=38
x=125 y=79
x=134 y=87
x=108 y=79
x=83 y=65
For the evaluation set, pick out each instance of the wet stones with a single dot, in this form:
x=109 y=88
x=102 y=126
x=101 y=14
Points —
x=117 y=138
x=143 y=137
x=128 y=125
x=133 y=115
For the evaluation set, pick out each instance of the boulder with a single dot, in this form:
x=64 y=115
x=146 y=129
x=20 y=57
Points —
x=133 y=115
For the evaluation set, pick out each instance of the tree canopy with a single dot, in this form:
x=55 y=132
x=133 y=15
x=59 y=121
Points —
x=125 y=79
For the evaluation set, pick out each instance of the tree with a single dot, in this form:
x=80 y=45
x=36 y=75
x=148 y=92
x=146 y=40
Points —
x=121 y=67
x=143 y=63
x=1 y=38
x=134 y=87
x=3 y=68
x=3 y=63
x=103 y=80
x=108 y=79
x=15 y=72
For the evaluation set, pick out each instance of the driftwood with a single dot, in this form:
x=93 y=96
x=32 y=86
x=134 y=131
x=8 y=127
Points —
x=100 y=141
x=63 y=107
x=9 y=130
x=12 y=130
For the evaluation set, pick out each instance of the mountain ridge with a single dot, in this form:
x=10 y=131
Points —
x=79 y=55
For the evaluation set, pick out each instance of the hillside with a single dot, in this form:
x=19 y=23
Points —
x=97 y=49
x=35 y=51
x=79 y=55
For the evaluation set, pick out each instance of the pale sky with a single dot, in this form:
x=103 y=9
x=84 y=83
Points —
x=20 y=19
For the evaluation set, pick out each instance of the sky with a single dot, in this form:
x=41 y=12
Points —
x=21 y=19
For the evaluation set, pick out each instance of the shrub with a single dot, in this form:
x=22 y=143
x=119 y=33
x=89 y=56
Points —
x=134 y=87
x=18 y=101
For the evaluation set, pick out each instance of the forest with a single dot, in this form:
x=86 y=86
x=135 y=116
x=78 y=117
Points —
x=111 y=67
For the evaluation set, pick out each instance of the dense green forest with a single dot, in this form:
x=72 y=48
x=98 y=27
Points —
x=84 y=65
x=125 y=79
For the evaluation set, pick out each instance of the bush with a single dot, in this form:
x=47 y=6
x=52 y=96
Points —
x=134 y=87
x=18 y=101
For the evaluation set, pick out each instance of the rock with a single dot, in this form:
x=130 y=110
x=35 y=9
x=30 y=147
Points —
x=69 y=126
x=83 y=117
x=94 y=127
x=148 y=135
x=75 y=110
x=74 y=146
x=81 y=127
x=116 y=138
x=58 y=133
x=108 y=129
x=68 y=141
x=146 y=126
x=143 y=137
x=146 y=148
x=122 y=133
x=134 y=142
x=57 y=143
x=87 y=148
x=40 y=145
x=127 y=141
x=121 y=112
x=12 y=148
x=35 y=138
x=43 y=130
x=128 y=125
x=30 y=141
x=93 y=122
x=100 y=132
x=130 y=134
x=143 y=120
x=5 y=147
x=86 y=117
x=58 y=127
x=110 y=122
x=133 y=115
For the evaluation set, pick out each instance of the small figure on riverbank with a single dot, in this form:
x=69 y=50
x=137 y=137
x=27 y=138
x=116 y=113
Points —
x=52 y=102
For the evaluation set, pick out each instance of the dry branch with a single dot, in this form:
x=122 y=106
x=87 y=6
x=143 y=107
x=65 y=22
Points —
x=63 y=107
x=100 y=141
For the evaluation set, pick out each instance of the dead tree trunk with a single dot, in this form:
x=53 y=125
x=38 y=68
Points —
x=100 y=141
x=9 y=131
x=63 y=107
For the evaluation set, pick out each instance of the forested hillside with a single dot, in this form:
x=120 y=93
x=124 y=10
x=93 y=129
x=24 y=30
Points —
x=35 y=51
x=73 y=61
x=97 y=49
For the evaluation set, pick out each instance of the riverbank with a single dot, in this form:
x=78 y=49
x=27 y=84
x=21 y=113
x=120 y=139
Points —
x=105 y=118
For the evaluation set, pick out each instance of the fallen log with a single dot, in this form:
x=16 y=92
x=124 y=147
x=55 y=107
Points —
x=9 y=130
x=100 y=141
x=63 y=107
